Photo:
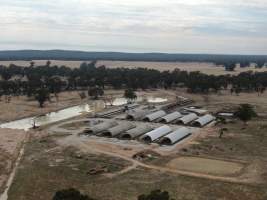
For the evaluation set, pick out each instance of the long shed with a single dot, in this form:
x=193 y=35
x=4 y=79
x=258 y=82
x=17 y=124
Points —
x=155 y=115
x=202 y=121
x=176 y=136
x=171 y=117
x=101 y=127
x=187 y=118
x=156 y=133
x=136 y=132
x=114 y=131
x=137 y=114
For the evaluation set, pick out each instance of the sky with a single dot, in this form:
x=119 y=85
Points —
x=171 y=26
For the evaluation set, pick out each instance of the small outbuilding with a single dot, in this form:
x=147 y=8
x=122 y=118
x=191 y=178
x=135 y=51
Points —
x=196 y=111
x=115 y=131
x=156 y=134
x=202 y=121
x=101 y=127
x=155 y=115
x=176 y=136
x=187 y=118
x=136 y=132
x=171 y=117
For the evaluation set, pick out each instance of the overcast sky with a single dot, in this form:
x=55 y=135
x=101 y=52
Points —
x=176 y=26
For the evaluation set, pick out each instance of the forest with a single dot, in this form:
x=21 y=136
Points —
x=17 y=80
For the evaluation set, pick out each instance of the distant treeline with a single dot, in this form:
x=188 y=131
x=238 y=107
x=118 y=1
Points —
x=17 y=80
x=163 y=57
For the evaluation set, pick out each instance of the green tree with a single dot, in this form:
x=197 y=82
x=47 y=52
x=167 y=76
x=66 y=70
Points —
x=95 y=92
x=130 y=95
x=70 y=194
x=155 y=195
x=245 y=112
x=42 y=95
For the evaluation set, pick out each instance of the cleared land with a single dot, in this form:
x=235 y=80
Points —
x=232 y=167
x=208 y=68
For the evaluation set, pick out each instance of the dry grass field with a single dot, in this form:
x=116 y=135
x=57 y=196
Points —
x=207 y=68
x=10 y=144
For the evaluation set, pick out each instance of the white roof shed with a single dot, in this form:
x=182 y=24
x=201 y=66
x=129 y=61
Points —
x=155 y=115
x=114 y=131
x=202 y=121
x=171 y=117
x=187 y=118
x=176 y=136
x=156 y=133
x=136 y=132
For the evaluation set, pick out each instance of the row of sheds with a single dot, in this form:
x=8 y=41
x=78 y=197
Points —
x=126 y=130
x=175 y=117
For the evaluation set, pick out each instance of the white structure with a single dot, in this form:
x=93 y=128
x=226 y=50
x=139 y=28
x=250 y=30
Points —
x=171 y=117
x=101 y=127
x=137 y=114
x=136 y=132
x=155 y=115
x=202 y=121
x=114 y=131
x=156 y=133
x=187 y=118
x=176 y=136
x=197 y=111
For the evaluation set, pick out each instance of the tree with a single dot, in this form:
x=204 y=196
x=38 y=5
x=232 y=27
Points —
x=42 y=95
x=155 y=195
x=48 y=63
x=245 y=112
x=130 y=95
x=70 y=194
x=95 y=92
x=32 y=64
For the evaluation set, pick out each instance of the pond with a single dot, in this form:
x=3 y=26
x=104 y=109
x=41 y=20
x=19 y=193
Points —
x=27 y=123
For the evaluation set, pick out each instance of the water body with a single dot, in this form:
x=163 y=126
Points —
x=27 y=123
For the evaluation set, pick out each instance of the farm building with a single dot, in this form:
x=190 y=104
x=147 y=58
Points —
x=137 y=114
x=101 y=127
x=155 y=115
x=187 y=118
x=202 y=121
x=196 y=111
x=156 y=133
x=136 y=132
x=175 y=136
x=115 y=131
x=171 y=117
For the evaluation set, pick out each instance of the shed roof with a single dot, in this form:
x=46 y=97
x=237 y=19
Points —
x=157 y=133
x=187 y=118
x=202 y=121
x=114 y=131
x=155 y=115
x=136 y=132
x=171 y=117
x=176 y=136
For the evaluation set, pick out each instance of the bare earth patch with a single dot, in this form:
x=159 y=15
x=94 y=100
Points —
x=206 y=166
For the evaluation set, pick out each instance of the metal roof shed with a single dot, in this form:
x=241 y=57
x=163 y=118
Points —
x=137 y=114
x=114 y=131
x=187 y=118
x=171 y=117
x=176 y=136
x=154 y=116
x=156 y=133
x=136 y=132
x=202 y=121
x=101 y=127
